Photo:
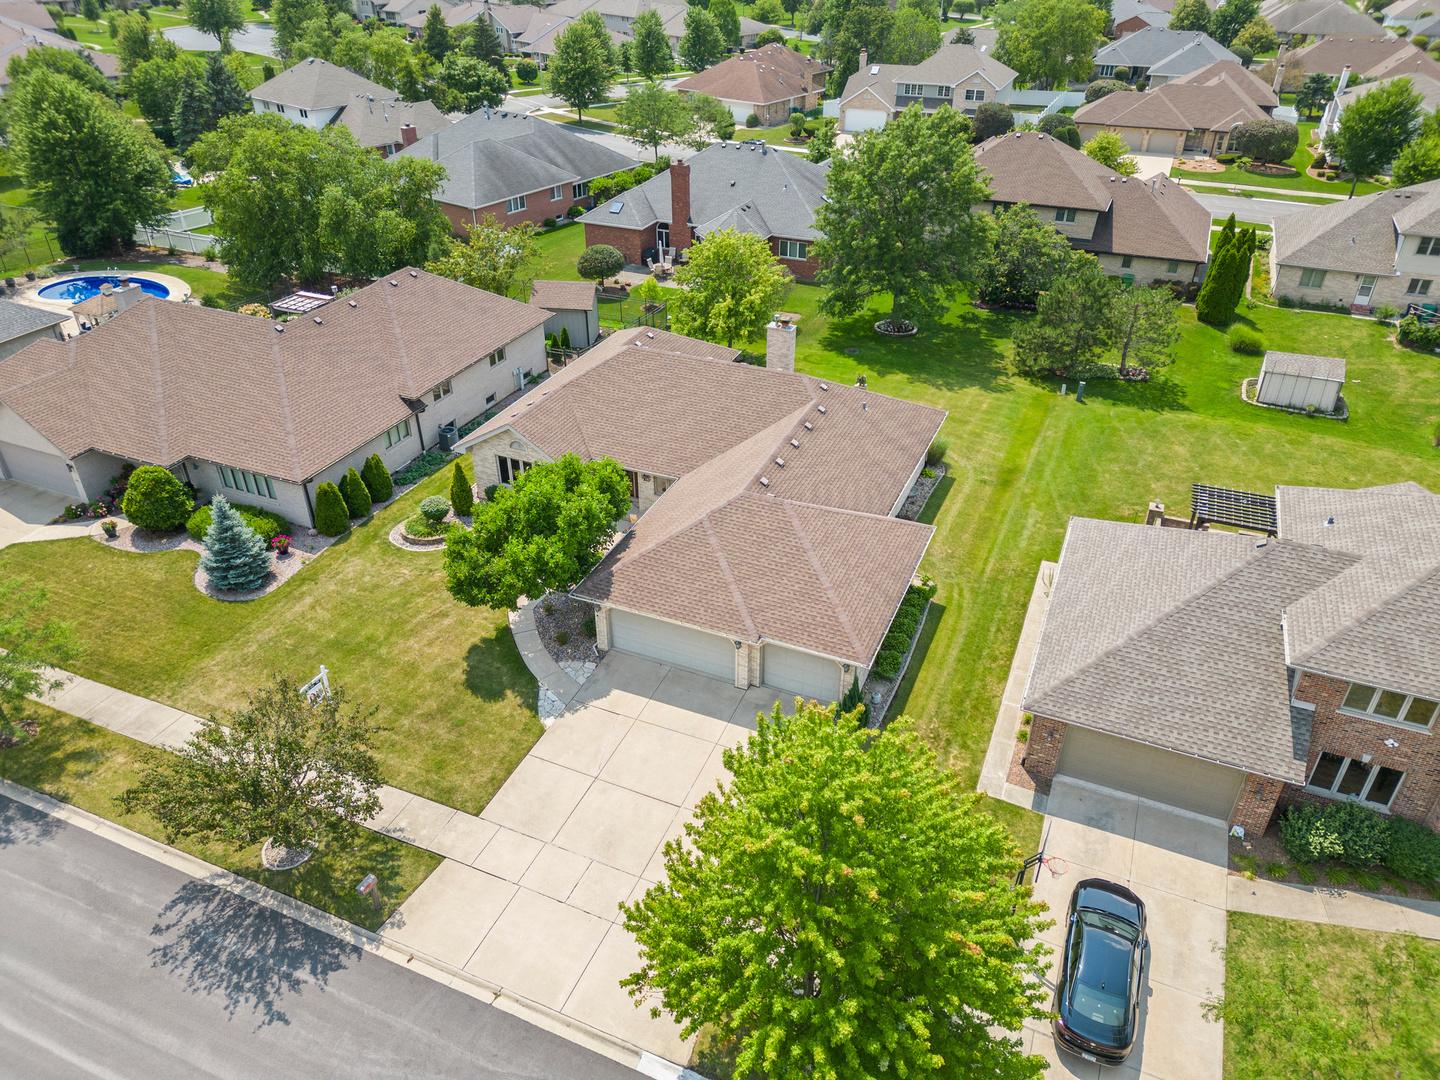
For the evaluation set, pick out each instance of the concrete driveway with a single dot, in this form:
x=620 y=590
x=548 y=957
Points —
x=528 y=898
x=26 y=512
x=1176 y=863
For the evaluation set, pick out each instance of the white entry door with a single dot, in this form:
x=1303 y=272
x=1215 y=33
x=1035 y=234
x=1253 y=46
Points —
x=1365 y=291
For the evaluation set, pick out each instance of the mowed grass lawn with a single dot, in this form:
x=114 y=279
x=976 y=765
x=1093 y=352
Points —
x=454 y=695
x=1316 y=1001
x=1301 y=181
x=1023 y=460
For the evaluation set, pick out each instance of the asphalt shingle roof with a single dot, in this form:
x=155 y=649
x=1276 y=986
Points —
x=16 y=320
x=950 y=65
x=373 y=113
x=1368 y=57
x=760 y=76
x=1319 y=18
x=563 y=295
x=1357 y=235
x=18 y=38
x=1245 y=80
x=1215 y=105
x=1330 y=368
x=1164 y=51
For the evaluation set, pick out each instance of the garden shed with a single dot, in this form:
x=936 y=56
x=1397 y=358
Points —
x=574 y=306
x=1298 y=381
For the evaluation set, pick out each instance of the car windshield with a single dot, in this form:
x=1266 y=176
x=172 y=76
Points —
x=1099 y=999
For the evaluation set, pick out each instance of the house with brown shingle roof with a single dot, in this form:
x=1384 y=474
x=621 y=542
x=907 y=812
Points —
x=770 y=82
x=1153 y=230
x=1366 y=57
x=260 y=411
x=957 y=76
x=767 y=548
x=1195 y=116
x=1231 y=674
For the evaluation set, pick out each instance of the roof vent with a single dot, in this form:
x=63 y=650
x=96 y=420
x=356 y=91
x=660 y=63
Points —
x=394 y=284
x=780 y=461
x=650 y=333
x=864 y=406
x=764 y=481
x=414 y=274
x=824 y=386
x=1330 y=520
x=279 y=329
x=318 y=321
x=1262 y=541
x=732 y=183
x=795 y=443
x=809 y=426
x=353 y=304
x=821 y=408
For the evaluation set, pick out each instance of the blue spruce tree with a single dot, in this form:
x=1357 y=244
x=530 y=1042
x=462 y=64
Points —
x=235 y=558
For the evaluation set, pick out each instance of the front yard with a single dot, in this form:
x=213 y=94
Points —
x=1299 y=182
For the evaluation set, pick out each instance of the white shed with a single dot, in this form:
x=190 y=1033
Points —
x=574 y=306
x=1297 y=381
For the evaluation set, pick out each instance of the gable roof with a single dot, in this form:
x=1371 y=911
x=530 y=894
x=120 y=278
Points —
x=1427 y=87
x=1215 y=105
x=18 y=38
x=1356 y=235
x=758 y=76
x=1163 y=51
x=165 y=381
x=1122 y=11
x=373 y=113
x=1242 y=78
x=1368 y=57
x=754 y=189
x=1327 y=368
x=491 y=156
x=30 y=12
x=950 y=65
x=513 y=17
x=1319 y=18
x=563 y=295
x=17 y=320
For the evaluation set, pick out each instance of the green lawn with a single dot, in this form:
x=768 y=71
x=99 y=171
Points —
x=454 y=695
x=80 y=763
x=1309 y=1000
x=1300 y=161
x=1023 y=460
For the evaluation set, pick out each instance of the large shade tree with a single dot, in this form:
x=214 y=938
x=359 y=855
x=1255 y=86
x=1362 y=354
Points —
x=1024 y=256
x=651 y=52
x=701 y=46
x=547 y=532
x=732 y=287
x=582 y=67
x=897 y=218
x=1375 y=128
x=493 y=257
x=1051 y=41
x=843 y=910
x=218 y=18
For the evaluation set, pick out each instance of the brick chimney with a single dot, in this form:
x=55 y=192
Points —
x=864 y=59
x=1279 y=69
x=408 y=135
x=680 y=235
x=780 y=345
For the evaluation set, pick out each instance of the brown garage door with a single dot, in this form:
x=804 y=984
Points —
x=1201 y=787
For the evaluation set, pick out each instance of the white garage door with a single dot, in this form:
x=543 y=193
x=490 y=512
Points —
x=38 y=469
x=1198 y=786
x=801 y=673
x=863 y=120
x=672 y=643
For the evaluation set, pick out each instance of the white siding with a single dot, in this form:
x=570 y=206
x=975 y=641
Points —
x=1297 y=391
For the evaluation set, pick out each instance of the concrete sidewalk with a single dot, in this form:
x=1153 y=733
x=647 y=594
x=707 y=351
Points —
x=1274 y=193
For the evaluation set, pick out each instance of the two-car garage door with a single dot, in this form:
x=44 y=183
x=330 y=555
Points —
x=1201 y=787
x=38 y=469
x=671 y=643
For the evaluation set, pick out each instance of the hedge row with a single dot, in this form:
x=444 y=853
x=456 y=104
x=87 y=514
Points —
x=266 y=523
x=902 y=631
x=1356 y=836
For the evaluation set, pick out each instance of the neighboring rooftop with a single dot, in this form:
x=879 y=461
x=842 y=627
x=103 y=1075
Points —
x=1427 y=87
x=950 y=65
x=1226 y=71
x=1368 y=57
x=563 y=295
x=1164 y=52
x=18 y=38
x=374 y=114
x=1357 y=235
x=1329 y=368
x=764 y=75
x=1215 y=105
x=1122 y=11
x=17 y=320
x=1319 y=18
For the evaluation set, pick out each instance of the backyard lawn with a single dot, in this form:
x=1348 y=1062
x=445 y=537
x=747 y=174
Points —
x=1309 y=1000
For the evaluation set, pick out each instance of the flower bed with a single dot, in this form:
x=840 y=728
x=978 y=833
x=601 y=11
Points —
x=891 y=328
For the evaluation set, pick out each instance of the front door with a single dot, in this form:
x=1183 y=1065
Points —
x=1365 y=291
x=634 y=484
x=662 y=237
x=1194 y=140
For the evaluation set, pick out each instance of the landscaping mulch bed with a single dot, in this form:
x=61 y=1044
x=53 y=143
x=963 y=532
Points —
x=1257 y=854
x=31 y=728
x=144 y=542
x=885 y=688
x=1208 y=165
x=401 y=539
x=566 y=615
x=282 y=570
x=1018 y=775
x=914 y=503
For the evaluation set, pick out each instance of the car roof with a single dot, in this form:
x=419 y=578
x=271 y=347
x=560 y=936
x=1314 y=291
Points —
x=1101 y=895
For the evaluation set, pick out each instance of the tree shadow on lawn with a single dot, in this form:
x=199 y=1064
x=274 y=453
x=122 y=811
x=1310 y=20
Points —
x=960 y=353
x=1161 y=394
x=494 y=667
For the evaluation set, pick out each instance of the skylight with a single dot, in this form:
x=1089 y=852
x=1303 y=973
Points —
x=616 y=207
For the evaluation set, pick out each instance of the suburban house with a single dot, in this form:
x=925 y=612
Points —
x=263 y=411
x=17 y=38
x=1146 y=230
x=1361 y=253
x=317 y=93
x=1300 y=20
x=1159 y=54
x=767 y=548
x=727 y=185
x=574 y=306
x=1169 y=5
x=961 y=76
x=454 y=15
x=1415 y=16
x=1128 y=16
x=1181 y=117
x=29 y=12
x=21 y=324
x=1366 y=58
x=1233 y=673
x=514 y=166
x=1426 y=86
x=537 y=38
x=770 y=82
x=509 y=21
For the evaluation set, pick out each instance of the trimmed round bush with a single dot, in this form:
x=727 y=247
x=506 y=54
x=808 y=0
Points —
x=435 y=507
x=1414 y=851
x=752 y=121
x=549 y=223
x=155 y=499
x=1267 y=140
x=575 y=211
x=490 y=490
x=1246 y=341
x=527 y=71
x=991 y=119
x=599 y=262
x=331 y=516
x=421 y=526
x=1103 y=87
x=267 y=525
x=887 y=664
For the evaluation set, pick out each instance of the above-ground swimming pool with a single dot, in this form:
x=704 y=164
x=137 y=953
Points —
x=75 y=289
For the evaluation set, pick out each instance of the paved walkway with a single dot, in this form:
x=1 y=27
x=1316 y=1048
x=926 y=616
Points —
x=1187 y=179
x=26 y=513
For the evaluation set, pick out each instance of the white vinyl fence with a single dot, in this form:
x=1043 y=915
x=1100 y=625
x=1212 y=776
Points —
x=176 y=232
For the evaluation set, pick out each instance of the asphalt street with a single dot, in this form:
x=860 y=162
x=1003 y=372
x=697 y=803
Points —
x=1254 y=211
x=115 y=966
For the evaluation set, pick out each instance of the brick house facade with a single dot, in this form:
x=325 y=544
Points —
x=539 y=205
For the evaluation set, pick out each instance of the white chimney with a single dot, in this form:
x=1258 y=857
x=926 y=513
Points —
x=1344 y=78
x=780 y=345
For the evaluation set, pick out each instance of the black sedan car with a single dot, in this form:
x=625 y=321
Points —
x=1097 y=994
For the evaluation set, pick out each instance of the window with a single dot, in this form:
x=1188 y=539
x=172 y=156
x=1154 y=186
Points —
x=489 y=400
x=974 y=95
x=579 y=191
x=1106 y=71
x=661 y=485
x=1127 y=262
x=515 y=205
x=441 y=391
x=1172 y=267
x=911 y=90
x=511 y=468
x=498 y=356
x=1350 y=778
x=1312 y=279
x=1389 y=705
x=792 y=249
x=1064 y=214
x=557 y=192
x=304 y=114
x=1418 y=287
x=397 y=433
x=1429 y=245
x=250 y=483
x=944 y=92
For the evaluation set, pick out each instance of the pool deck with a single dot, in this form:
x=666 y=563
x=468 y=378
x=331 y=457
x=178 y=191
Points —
x=179 y=292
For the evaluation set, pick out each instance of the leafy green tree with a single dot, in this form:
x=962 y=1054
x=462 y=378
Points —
x=1417 y=163
x=733 y=285
x=155 y=86
x=1231 y=17
x=707 y=121
x=225 y=88
x=727 y=20
x=769 y=36
x=72 y=63
x=701 y=46
x=1024 y=257
x=1226 y=275
x=284 y=768
x=155 y=499
x=1257 y=36
x=383 y=215
x=435 y=37
x=843 y=910
x=991 y=118
x=474 y=82
x=235 y=558
x=1267 y=140
x=1374 y=129
x=792 y=7
x=1072 y=326
x=90 y=10
x=914 y=38
x=897 y=218
x=1145 y=324
x=462 y=498
x=393 y=62
x=527 y=71
x=483 y=44
x=332 y=517
x=31 y=647
x=649 y=115
x=582 y=67
x=491 y=258
x=1314 y=94
x=865 y=25
x=15 y=226
x=218 y=18
x=651 y=53
x=1052 y=41
x=194 y=113
x=89 y=169
x=598 y=262
x=289 y=17
x=1104 y=88
x=767 y=11
x=1190 y=15
x=1110 y=150
x=137 y=41
x=624 y=57
x=546 y=533
x=377 y=479
x=822 y=144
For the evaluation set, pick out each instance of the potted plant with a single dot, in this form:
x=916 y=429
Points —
x=110 y=528
x=280 y=544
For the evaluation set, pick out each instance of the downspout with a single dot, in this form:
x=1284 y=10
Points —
x=309 y=506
